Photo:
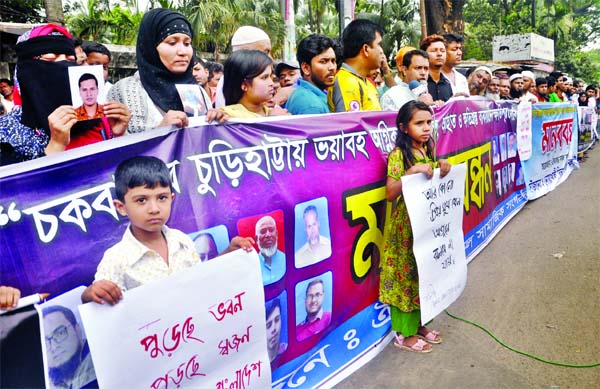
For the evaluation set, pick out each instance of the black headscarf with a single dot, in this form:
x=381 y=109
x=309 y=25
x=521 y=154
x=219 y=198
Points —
x=157 y=80
x=43 y=86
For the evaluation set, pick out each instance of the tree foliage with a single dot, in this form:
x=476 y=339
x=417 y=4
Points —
x=22 y=11
x=570 y=23
x=397 y=19
x=316 y=17
x=98 y=21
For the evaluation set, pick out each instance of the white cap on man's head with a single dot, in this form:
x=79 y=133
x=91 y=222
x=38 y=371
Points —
x=484 y=69
x=528 y=74
x=248 y=34
x=515 y=76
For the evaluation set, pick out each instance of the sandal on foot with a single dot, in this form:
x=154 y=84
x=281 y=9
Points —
x=418 y=347
x=432 y=337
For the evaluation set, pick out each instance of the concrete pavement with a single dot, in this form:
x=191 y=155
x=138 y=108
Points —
x=536 y=287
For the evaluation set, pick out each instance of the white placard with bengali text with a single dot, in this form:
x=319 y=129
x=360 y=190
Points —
x=524 y=130
x=203 y=327
x=435 y=207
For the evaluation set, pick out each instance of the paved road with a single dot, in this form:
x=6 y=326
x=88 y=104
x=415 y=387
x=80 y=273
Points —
x=534 y=300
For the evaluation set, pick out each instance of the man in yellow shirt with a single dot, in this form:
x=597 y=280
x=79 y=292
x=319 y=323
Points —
x=351 y=90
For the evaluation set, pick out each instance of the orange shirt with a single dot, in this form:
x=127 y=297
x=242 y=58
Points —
x=82 y=114
x=86 y=135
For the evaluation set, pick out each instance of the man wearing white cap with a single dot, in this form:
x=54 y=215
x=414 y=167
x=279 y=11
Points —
x=245 y=38
x=251 y=38
x=478 y=80
x=528 y=80
x=516 y=86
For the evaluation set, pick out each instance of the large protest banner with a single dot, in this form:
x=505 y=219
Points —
x=206 y=332
x=435 y=207
x=57 y=217
x=554 y=144
x=481 y=133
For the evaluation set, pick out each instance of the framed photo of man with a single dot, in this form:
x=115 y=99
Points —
x=87 y=89
x=314 y=299
x=312 y=238
x=66 y=354
x=276 y=326
x=268 y=232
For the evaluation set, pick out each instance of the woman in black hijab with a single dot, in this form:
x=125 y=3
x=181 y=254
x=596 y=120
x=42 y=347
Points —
x=41 y=122
x=164 y=58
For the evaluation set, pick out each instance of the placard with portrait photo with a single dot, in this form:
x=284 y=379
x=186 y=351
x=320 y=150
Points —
x=192 y=100
x=65 y=350
x=87 y=89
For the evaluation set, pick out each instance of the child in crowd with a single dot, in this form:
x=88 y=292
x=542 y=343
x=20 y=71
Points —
x=399 y=283
x=248 y=85
x=149 y=249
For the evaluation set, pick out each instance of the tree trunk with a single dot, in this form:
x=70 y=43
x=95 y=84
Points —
x=455 y=22
x=54 y=11
x=445 y=16
x=436 y=14
x=423 y=14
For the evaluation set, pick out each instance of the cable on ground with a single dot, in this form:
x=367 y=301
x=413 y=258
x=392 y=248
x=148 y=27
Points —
x=519 y=351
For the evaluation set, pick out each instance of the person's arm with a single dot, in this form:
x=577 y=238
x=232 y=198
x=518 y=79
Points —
x=118 y=117
x=9 y=297
x=427 y=99
x=444 y=166
x=239 y=242
x=60 y=121
x=175 y=118
x=283 y=94
x=216 y=115
x=388 y=74
x=278 y=111
x=393 y=186
x=102 y=291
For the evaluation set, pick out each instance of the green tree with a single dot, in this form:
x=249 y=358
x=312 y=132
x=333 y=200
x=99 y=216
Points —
x=570 y=23
x=89 y=22
x=397 y=19
x=21 y=11
x=215 y=21
x=316 y=17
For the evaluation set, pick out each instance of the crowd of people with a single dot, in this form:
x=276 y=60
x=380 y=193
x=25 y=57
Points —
x=329 y=75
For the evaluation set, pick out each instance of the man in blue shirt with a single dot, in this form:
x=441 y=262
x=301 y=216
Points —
x=316 y=57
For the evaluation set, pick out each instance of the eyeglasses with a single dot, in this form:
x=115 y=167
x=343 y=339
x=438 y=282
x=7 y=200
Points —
x=312 y=296
x=58 y=335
